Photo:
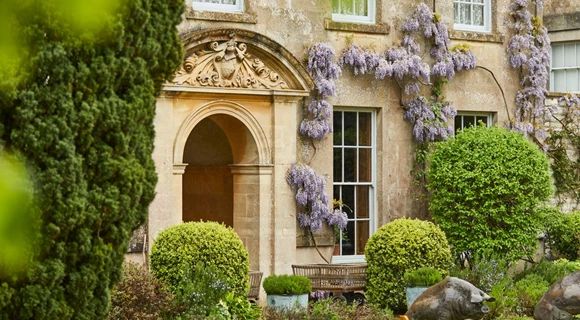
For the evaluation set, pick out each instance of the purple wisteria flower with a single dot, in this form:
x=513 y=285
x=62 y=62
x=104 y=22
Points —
x=529 y=51
x=312 y=199
x=324 y=70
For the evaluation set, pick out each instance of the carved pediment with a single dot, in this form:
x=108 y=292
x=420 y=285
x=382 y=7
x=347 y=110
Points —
x=227 y=64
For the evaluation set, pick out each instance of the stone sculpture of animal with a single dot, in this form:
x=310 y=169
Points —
x=561 y=301
x=450 y=299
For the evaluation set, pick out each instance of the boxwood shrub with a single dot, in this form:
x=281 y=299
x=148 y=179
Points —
x=486 y=185
x=398 y=246
x=179 y=249
x=287 y=284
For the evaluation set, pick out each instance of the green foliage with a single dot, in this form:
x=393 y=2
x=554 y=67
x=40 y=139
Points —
x=398 y=246
x=177 y=250
x=529 y=291
x=199 y=292
x=139 y=296
x=551 y=271
x=484 y=270
x=19 y=220
x=336 y=309
x=563 y=233
x=287 y=284
x=82 y=119
x=485 y=186
x=422 y=277
x=234 y=307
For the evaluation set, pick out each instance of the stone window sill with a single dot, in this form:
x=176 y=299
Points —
x=241 y=17
x=377 y=28
x=476 y=36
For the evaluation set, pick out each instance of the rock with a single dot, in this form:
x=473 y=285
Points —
x=561 y=301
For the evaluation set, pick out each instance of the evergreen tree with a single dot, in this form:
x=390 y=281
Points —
x=82 y=118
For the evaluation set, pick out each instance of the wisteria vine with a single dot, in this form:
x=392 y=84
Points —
x=429 y=115
x=309 y=187
x=529 y=52
x=564 y=148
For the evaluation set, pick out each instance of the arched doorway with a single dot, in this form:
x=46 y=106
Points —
x=217 y=144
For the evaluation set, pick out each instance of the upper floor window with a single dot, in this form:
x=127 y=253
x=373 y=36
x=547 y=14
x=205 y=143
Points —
x=565 y=74
x=465 y=120
x=219 y=5
x=472 y=15
x=354 y=11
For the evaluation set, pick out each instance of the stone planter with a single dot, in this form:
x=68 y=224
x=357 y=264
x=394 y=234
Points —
x=413 y=293
x=287 y=301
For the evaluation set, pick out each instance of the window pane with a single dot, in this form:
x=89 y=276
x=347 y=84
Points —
x=569 y=55
x=361 y=7
x=477 y=1
x=557 y=56
x=364 y=166
x=364 y=129
x=350 y=166
x=362 y=236
x=337 y=165
x=458 y=123
x=348 y=200
x=456 y=13
x=560 y=80
x=335 y=6
x=336 y=192
x=482 y=119
x=350 y=128
x=362 y=201
x=477 y=15
x=572 y=80
x=465 y=13
x=348 y=239
x=578 y=54
x=337 y=128
x=468 y=121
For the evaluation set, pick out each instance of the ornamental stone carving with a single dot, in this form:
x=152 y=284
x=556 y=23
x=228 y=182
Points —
x=227 y=64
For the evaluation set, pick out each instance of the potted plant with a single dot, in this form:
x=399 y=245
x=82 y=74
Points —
x=287 y=291
x=418 y=281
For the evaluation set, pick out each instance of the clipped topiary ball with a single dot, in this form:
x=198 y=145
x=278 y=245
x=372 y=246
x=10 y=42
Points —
x=486 y=185
x=398 y=246
x=179 y=249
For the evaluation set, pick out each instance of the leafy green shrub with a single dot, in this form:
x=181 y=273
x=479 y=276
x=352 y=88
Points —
x=486 y=185
x=82 y=118
x=422 y=277
x=563 y=233
x=199 y=292
x=139 y=296
x=484 y=269
x=234 y=307
x=529 y=291
x=287 y=284
x=216 y=247
x=336 y=309
x=551 y=271
x=398 y=246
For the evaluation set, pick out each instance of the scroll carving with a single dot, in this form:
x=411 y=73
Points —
x=227 y=64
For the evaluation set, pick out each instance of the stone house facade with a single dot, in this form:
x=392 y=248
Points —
x=227 y=125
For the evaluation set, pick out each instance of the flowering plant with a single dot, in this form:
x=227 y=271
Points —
x=312 y=200
x=429 y=116
x=529 y=52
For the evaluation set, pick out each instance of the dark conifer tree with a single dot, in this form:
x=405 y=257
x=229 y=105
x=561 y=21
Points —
x=82 y=118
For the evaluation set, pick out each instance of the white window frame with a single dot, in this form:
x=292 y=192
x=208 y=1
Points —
x=370 y=19
x=218 y=7
x=488 y=115
x=469 y=27
x=372 y=185
x=555 y=69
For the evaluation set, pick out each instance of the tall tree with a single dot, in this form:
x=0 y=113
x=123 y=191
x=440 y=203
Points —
x=82 y=118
